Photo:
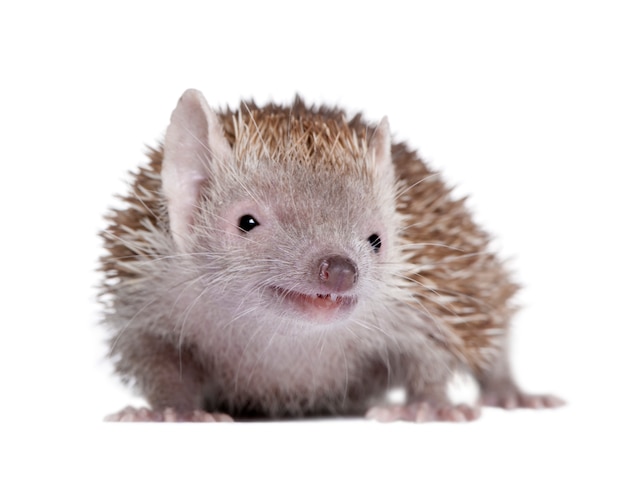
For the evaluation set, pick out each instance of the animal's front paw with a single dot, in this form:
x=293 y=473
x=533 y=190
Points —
x=424 y=412
x=132 y=414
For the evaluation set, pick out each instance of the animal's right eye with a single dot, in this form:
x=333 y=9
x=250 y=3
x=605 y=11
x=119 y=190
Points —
x=247 y=223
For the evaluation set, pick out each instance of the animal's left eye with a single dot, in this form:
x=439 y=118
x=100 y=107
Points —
x=375 y=242
x=247 y=223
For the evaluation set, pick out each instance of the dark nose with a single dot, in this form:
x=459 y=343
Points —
x=337 y=273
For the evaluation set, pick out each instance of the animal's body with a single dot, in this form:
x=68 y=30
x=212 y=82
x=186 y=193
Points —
x=288 y=260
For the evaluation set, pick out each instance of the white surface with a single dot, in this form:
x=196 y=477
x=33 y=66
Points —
x=523 y=107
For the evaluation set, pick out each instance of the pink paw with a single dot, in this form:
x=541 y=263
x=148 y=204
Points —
x=132 y=414
x=516 y=399
x=424 y=412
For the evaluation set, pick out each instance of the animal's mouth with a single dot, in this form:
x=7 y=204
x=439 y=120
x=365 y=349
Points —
x=319 y=306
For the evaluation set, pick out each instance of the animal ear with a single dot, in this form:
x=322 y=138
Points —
x=380 y=146
x=193 y=140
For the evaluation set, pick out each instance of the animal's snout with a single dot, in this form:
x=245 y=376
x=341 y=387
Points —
x=338 y=273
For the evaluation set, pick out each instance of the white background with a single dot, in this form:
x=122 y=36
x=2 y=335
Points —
x=522 y=106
